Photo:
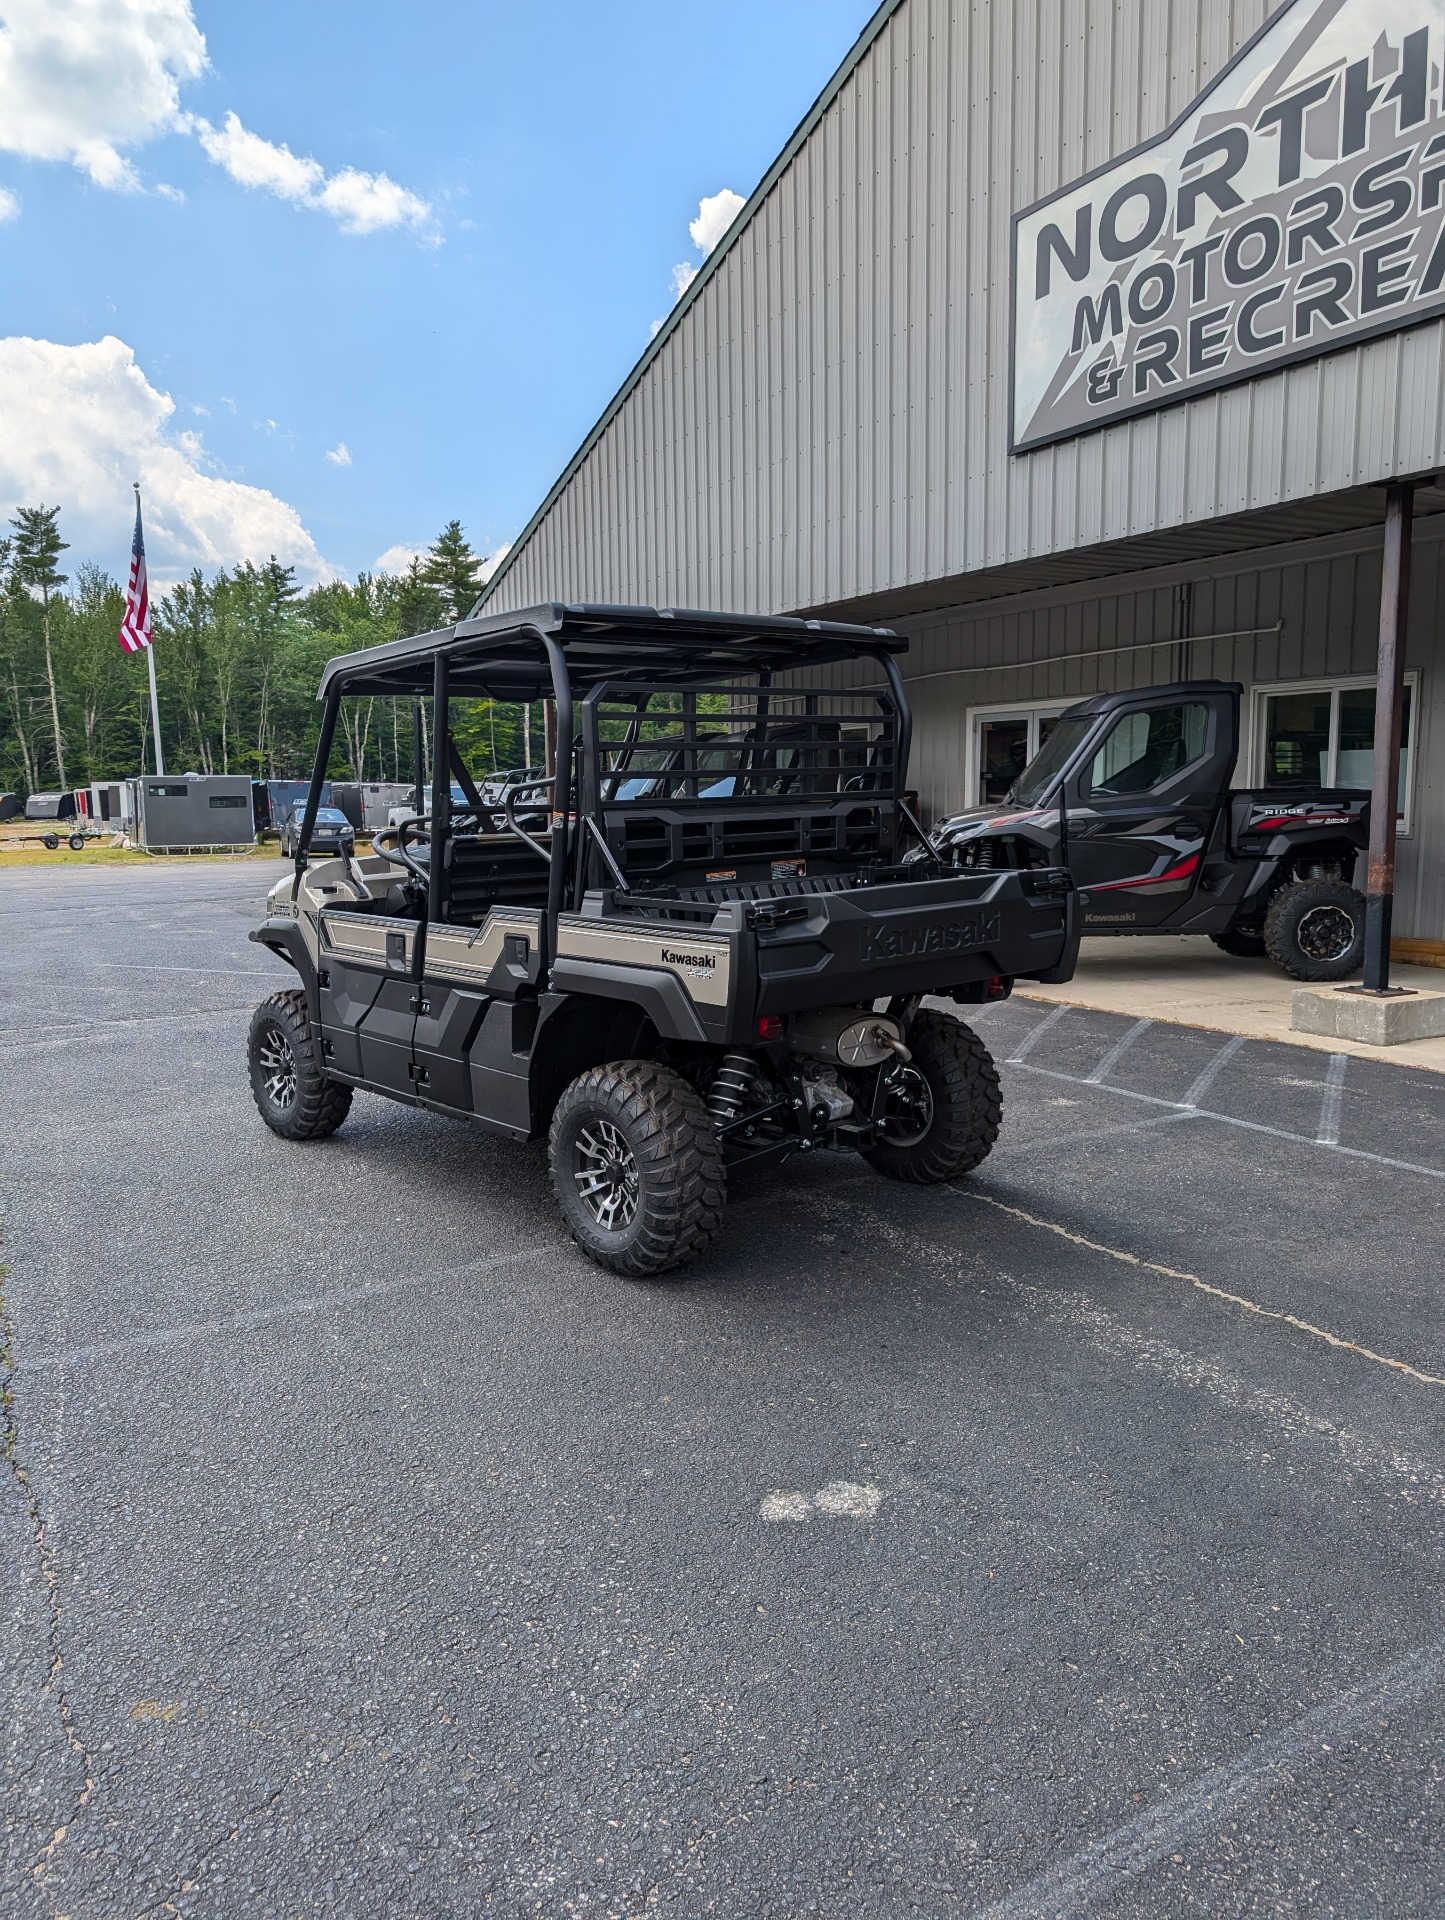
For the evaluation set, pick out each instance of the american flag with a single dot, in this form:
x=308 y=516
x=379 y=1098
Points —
x=135 y=629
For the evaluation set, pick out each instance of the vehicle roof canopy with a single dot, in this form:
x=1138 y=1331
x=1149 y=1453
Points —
x=1149 y=696
x=504 y=657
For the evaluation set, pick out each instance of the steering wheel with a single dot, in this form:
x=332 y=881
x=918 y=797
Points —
x=398 y=855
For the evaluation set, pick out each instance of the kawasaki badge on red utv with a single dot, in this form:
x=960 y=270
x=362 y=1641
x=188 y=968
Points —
x=1131 y=792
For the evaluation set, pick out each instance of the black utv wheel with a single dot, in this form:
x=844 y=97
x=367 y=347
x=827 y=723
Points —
x=944 y=1111
x=637 y=1168
x=1245 y=943
x=294 y=1097
x=1315 y=930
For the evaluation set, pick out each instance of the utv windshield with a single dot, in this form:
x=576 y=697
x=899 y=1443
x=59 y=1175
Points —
x=1038 y=783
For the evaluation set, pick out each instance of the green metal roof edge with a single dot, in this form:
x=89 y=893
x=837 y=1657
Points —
x=770 y=179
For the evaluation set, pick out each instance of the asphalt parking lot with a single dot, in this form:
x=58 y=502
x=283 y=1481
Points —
x=1065 y=1543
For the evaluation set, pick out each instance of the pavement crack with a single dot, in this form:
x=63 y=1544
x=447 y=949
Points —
x=54 y=1683
x=1204 y=1286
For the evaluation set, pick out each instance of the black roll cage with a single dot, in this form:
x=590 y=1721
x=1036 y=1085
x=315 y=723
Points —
x=559 y=651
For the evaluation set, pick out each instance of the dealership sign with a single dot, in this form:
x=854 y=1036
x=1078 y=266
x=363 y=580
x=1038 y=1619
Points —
x=1298 y=206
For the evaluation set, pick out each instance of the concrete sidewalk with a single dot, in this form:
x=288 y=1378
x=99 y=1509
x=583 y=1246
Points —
x=1187 y=979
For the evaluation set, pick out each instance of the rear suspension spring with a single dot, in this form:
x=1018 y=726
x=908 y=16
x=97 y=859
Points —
x=732 y=1089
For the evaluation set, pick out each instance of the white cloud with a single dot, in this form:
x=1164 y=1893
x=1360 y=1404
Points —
x=82 y=79
x=9 y=204
x=493 y=561
x=358 y=202
x=715 y=214
x=340 y=455
x=396 y=560
x=168 y=192
x=79 y=423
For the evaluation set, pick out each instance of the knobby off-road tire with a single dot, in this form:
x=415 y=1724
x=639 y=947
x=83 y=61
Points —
x=1243 y=943
x=948 y=1118
x=637 y=1168
x=1315 y=930
x=292 y=1094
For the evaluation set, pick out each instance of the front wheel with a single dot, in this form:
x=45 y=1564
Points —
x=292 y=1094
x=637 y=1168
x=50 y=841
x=944 y=1105
x=1315 y=930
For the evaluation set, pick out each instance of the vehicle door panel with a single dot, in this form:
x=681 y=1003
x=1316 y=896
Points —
x=1144 y=806
x=464 y=970
x=368 y=997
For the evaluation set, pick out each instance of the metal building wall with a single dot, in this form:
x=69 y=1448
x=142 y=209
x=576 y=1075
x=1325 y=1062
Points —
x=827 y=419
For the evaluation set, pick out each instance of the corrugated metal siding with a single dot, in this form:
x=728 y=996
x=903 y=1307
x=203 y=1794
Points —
x=828 y=419
x=1325 y=592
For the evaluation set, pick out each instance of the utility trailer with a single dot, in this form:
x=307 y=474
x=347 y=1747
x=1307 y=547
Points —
x=705 y=955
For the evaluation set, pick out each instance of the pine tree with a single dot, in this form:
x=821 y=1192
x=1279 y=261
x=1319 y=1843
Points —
x=38 y=546
x=453 y=570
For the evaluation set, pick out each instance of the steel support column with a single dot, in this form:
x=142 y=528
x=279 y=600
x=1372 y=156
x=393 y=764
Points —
x=1389 y=703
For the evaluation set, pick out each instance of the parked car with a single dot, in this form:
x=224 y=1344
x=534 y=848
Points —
x=333 y=833
x=1131 y=792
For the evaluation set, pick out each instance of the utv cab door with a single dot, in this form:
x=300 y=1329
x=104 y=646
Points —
x=368 y=997
x=1142 y=806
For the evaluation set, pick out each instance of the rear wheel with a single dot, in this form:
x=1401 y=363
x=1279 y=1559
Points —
x=76 y=843
x=1315 y=930
x=944 y=1108
x=637 y=1168
x=1245 y=943
x=292 y=1094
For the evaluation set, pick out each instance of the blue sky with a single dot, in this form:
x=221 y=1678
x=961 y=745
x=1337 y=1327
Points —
x=524 y=176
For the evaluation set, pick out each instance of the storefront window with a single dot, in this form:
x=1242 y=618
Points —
x=1003 y=755
x=1004 y=742
x=1325 y=737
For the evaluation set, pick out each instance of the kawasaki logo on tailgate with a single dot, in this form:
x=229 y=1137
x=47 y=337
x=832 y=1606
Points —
x=923 y=942
x=704 y=964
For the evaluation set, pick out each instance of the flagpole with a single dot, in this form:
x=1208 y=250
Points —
x=150 y=653
x=155 y=709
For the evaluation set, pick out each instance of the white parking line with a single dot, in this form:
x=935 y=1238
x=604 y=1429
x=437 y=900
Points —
x=1116 y=1053
x=1233 y=1120
x=1098 y=1871
x=1212 y=1072
x=1030 y=1040
x=1329 y=1129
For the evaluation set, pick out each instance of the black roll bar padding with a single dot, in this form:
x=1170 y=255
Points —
x=904 y=744
x=318 y=779
x=562 y=788
x=418 y=757
x=441 y=789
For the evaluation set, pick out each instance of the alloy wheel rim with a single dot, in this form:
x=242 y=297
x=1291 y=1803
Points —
x=1326 y=933
x=278 y=1067
x=910 y=1108
x=606 y=1175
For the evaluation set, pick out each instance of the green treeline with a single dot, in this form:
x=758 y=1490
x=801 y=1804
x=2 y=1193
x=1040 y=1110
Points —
x=238 y=659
